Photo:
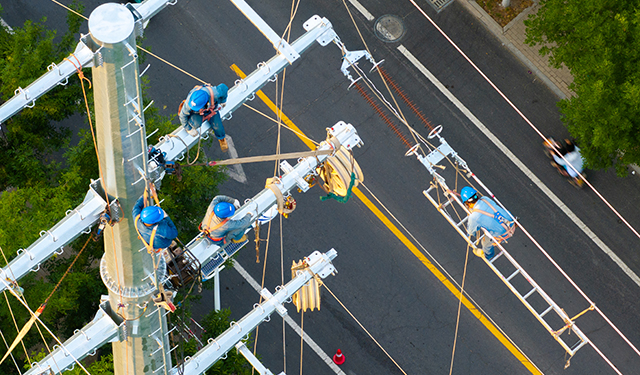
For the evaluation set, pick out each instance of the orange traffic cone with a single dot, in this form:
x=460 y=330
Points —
x=338 y=358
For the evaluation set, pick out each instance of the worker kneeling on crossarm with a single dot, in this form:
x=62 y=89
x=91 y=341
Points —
x=487 y=214
x=217 y=224
x=154 y=226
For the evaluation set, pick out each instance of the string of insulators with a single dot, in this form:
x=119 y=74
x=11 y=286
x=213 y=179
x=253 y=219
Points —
x=405 y=98
x=382 y=115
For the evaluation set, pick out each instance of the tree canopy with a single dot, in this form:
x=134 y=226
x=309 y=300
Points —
x=42 y=175
x=598 y=40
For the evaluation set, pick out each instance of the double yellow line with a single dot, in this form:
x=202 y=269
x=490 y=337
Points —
x=443 y=279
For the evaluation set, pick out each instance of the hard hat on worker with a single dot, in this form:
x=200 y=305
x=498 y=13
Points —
x=468 y=194
x=198 y=99
x=224 y=210
x=151 y=215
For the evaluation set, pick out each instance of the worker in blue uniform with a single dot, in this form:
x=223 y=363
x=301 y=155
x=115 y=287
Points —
x=217 y=224
x=154 y=226
x=203 y=103
x=486 y=213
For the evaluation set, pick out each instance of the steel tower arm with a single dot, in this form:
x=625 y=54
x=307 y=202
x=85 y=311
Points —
x=100 y=330
x=211 y=256
x=318 y=263
x=58 y=74
x=175 y=145
x=51 y=242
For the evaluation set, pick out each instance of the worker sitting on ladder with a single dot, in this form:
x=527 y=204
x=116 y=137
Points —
x=154 y=226
x=485 y=213
x=217 y=224
x=203 y=104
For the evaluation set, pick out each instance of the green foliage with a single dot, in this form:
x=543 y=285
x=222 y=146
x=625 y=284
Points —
x=28 y=139
x=599 y=42
x=215 y=323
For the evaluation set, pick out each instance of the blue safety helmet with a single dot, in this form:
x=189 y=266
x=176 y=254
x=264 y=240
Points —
x=468 y=193
x=151 y=215
x=224 y=210
x=198 y=99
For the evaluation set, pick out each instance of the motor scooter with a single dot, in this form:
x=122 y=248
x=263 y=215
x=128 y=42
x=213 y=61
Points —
x=549 y=144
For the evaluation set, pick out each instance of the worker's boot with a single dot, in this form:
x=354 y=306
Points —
x=242 y=239
x=223 y=145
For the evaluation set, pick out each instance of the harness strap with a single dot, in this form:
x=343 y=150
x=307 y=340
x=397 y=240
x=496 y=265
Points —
x=509 y=226
x=212 y=107
x=149 y=246
x=207 y=231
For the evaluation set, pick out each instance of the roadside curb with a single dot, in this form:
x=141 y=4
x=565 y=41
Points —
x=498 y=31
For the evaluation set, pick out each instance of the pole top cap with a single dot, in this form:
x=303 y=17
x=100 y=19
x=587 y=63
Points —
x=111 y=23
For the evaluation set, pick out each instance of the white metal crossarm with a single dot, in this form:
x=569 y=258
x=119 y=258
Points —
x=452 y=205
x=212 y=256
x=77 y=221
x=175 y=145
x=100 y=330
x=319 y=264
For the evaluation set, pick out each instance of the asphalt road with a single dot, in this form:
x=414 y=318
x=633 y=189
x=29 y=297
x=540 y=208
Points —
x=403 y=304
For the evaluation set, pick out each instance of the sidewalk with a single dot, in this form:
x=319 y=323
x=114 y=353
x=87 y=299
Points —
x=513 y=36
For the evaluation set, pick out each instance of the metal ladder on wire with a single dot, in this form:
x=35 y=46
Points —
x=450 y=203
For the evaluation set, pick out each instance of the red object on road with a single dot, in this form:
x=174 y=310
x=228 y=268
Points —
x=338 y=358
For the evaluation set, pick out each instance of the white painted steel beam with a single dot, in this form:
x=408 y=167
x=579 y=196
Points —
x=76 y=221
x=319 y=264
x=56 y=75
x=347 y=136
x=279 y=44
x=175 y=145
x=100 y=330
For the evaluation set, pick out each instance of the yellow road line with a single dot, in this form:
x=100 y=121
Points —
x=443 y=279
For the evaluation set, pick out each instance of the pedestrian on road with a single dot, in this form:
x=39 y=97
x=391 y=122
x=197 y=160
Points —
x=485 y=213
x=217 y=224
x=155 y=228
x=203 y=103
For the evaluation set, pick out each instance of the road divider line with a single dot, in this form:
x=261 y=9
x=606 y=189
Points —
x=362 y=10
x=628 y=271
x=520 y=356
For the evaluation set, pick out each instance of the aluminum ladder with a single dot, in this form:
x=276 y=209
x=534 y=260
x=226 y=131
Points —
x=451 y=202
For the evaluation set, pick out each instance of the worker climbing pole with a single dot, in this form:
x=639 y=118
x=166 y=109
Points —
x=458 y=210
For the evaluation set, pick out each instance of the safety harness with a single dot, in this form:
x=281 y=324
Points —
x=207 y=113
x=509 y=226
x=207 y=230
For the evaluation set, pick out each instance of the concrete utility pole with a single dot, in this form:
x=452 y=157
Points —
x=126 y=268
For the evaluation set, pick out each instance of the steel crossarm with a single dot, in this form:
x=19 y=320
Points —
x=175 y=145
x=77 y=221
x=86 y=341
x=57 y=74
x=342 y=133
x=82 y=57
x=319 y=264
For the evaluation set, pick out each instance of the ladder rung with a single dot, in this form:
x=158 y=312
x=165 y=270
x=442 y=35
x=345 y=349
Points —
x=530 y=293
x=496 y=257
x=513 y=275
x=463 y=221
x=546 y=311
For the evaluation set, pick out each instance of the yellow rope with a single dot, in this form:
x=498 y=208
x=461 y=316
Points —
x=173 y=65
x=455 y=336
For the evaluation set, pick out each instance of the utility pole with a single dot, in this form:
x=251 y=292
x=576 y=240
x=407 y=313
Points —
x=128 y=272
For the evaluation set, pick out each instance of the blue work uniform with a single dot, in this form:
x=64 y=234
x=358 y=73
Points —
x=574 y=158
x=191 y=119
x=495 y=219
x=219 y=230
x=165 y=230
